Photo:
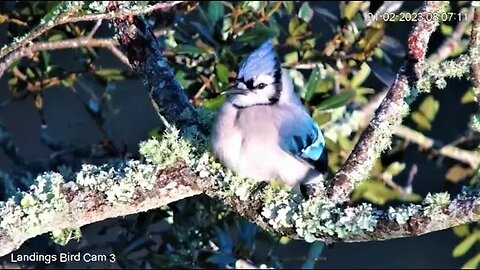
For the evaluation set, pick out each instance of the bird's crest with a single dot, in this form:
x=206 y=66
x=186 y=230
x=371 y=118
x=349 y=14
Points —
x=263 y=60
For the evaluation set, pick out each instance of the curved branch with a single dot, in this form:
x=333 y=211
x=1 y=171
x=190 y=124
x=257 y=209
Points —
x=57 y=16
x=78 y=205
x=58 y=202
x=452 y=42
x=28 y=52
x=469 y=157
x=376 y=137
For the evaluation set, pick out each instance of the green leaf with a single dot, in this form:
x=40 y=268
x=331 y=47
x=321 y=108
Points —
x=30 y=73
x=468 y=97
x=447 y=30
x=57 y=37
x=351 y=9
x=222 y=73
x=361 y=76
x=216 y=11
x=255 y=5
x=461 y=230
x=414 y=198
x=293 y=24
x=284 y=240
x=395 y=168
x=110 y=74
x=187 y=49
x=312 y=83
x=38 y=102
x=63 y=236
x=336 y=101
x=183 y=79
x=472 y=263
x=429 y=107
x=372 y=39
x=421 y=121
x=322 y=117
x=464 y=246
x=215 y=103
x=289 y=6
x=426 y=113
x=457 y=173
x=3 y=18
x=344 y=143
x=291 y=58
x=325 y=85
x=306 y=12
x=46 y=59
x=300 y=30
x=374 y=191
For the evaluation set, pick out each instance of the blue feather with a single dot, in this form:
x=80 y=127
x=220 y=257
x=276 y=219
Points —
x=308 y=145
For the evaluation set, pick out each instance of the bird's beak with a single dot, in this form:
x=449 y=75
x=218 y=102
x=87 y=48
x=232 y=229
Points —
x=234 y=92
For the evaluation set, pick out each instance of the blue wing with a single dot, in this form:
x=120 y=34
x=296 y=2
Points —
x=308 y=143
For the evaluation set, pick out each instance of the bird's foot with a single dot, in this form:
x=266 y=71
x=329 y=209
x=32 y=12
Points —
x=309 y=190
x=260 y=187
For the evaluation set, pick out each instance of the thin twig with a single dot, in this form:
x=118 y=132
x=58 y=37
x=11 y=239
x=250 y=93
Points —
x=65 y=10
x=204 y=86
x=29 y=52
x=94 y=29
x=119 y=54
x=471 y=158
x=452 y=42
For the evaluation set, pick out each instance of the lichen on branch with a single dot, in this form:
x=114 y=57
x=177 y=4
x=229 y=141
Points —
x=377 y=136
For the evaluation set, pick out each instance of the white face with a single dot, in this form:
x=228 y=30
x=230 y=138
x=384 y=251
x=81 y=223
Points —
x=261 y=90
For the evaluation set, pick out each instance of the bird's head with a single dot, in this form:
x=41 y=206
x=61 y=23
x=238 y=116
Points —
x=259 y=79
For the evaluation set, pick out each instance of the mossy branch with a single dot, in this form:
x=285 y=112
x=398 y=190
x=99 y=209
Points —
x=70 y=12
x=30 y=51
x=474 y=51
x=377 y=136
x=175 y=168
x=100 y=193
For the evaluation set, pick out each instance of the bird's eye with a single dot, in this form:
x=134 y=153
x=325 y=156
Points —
x=261 y=86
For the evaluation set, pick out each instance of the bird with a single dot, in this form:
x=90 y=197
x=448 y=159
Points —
x=263 y=131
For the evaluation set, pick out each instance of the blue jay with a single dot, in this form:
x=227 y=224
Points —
x=263 y=131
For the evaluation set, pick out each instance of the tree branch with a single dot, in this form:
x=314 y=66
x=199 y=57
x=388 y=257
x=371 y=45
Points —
x=62 y=14
x=376 y=137
x=174 y=169
x=474 y=52
x=28 y=52
x=57 y=16
x=77 y=204
x=471 y=158
x=452 y=42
